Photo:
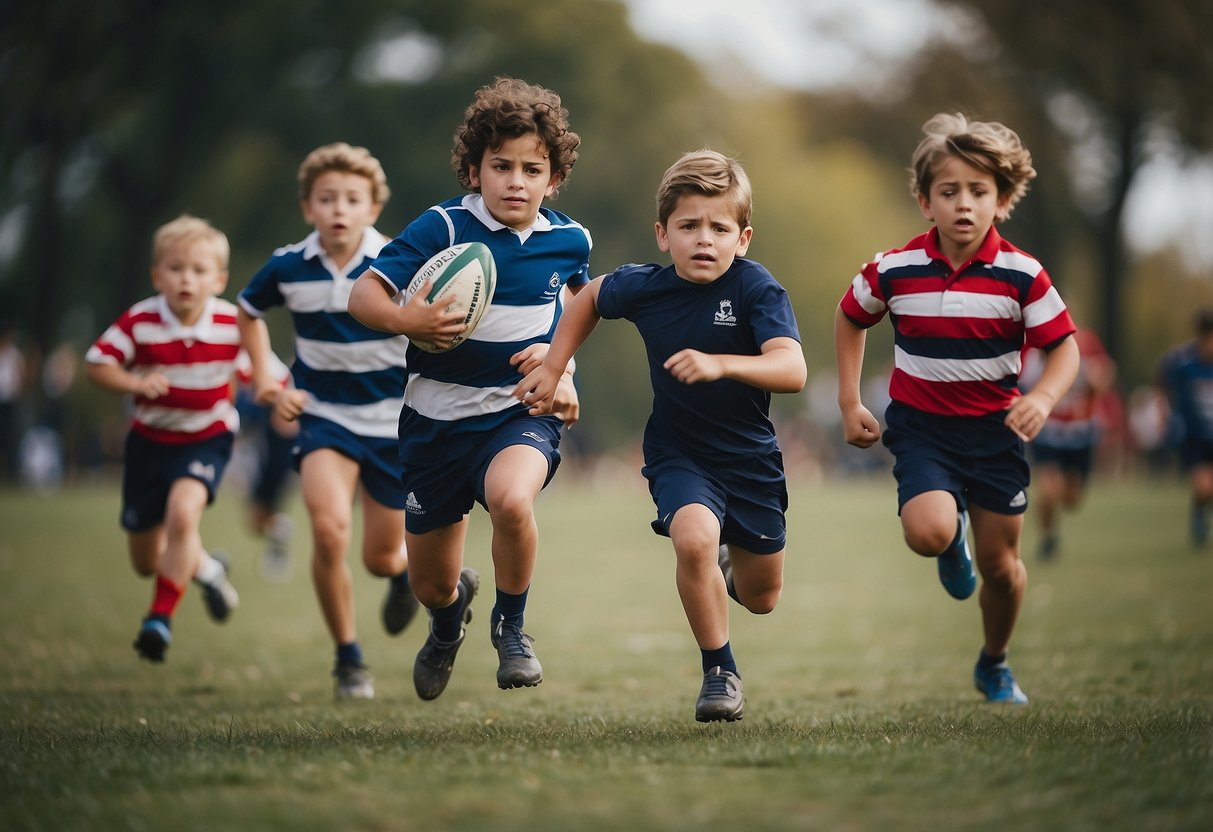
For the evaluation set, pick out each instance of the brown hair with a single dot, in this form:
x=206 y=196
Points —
x=709 y=173
x=987 y=145
x=509 y=108
x=340 y=156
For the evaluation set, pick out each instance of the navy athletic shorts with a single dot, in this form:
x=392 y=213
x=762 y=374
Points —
x=150 y=469
x=751 y=515
x=440 y=495
x=979 y=460
x=378 y=458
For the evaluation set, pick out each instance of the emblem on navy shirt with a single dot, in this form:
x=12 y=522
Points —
x=725 y=316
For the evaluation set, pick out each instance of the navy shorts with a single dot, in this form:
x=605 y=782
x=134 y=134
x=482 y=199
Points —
x=440 y=495
x=979 y=460
x=1193 y=452
x=150 y=469
x=378 y=458
x=751 y=514
x=1070 y=460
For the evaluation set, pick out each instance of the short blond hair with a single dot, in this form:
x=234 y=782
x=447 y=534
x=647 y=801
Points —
x=186 y=229
x=987 y=145
x=345 y=158
x=709 y=173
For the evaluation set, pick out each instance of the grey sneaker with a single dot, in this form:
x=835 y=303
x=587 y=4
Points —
x=276 y=564
x=518 y=666
x=436 y=659
x=720 y=697
x=399 y=607
x=220 y=597
x=354 y=681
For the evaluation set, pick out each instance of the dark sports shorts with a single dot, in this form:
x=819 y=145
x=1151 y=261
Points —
x=1070 y=460
x=1193 y=452
x=978 y=460
x=378 y=458
x=150 y=469
x=440 y=495
x=751 y=515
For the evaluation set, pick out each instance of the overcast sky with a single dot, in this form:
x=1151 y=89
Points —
x=816 y=43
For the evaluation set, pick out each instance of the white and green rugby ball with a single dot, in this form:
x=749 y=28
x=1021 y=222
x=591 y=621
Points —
x=464 y=278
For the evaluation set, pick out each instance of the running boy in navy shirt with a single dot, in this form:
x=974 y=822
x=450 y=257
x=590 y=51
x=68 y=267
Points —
x=720 y=338
x=463 y=437
x=963 y=302
x=175 y=353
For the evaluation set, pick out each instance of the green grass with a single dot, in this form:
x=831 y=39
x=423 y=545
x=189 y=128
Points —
x=860 y=708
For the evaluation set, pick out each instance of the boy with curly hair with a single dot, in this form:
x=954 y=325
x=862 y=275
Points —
x=964 y=302
x=463 y=437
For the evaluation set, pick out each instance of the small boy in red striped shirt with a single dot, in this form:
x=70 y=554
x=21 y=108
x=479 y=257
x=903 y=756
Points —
x=964 y=303
x=175 y=353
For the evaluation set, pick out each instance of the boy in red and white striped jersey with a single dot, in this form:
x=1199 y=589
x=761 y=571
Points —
x=964 y=302
x=175 y=353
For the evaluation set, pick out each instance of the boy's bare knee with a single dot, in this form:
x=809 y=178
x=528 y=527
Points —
x=763 y=604
x=433 y=594
x=929 y=542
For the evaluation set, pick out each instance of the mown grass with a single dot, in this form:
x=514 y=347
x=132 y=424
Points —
x=860 y=711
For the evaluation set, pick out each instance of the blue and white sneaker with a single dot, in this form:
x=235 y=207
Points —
x=998 y=685
x=956 y=571
x=153 y=639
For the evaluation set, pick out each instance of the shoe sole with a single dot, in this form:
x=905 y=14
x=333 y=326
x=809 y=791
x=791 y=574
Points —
x=510 y=684
x=732 y=716
x=151 y=645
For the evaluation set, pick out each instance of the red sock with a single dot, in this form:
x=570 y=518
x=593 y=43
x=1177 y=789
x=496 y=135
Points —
x=166 y=598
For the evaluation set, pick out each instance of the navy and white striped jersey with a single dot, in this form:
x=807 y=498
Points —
x=353 y=374
x=467 y=390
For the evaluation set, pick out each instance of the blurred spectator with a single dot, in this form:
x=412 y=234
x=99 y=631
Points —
x=12 y=385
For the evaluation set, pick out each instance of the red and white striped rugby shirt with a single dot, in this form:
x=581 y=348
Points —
x=199 y=362
x=958 y=334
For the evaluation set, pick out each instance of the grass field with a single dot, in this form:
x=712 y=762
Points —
x=860 y=708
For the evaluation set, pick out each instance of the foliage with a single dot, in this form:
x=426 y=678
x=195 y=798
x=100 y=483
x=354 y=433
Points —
x=860 y=711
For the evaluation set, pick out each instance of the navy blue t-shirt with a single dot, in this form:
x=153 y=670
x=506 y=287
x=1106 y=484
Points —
x=724 y=425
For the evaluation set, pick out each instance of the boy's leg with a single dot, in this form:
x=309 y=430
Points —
x=383 y=554
x=933 y=528
x=1050 y=492
x=446 y=590
x=1201 y=478
x=1004 y=582
x=695 y=533
x=757 y=579
x=327 y=480
x=512 y=481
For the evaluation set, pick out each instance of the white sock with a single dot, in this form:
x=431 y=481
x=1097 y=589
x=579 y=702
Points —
x=210 y=571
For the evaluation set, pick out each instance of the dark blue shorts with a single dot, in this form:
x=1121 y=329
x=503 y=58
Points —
x=440 y=495
x=1070 y=460
x=1193 y=452
x=979 y=460
x=150 y=469
x=751 y=515
x=378 y=458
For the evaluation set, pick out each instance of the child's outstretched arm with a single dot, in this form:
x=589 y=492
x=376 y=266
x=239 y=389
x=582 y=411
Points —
x=1028 y=414
x=779 y=368
x=371 y=302
x=538 y=387
x=859 y=427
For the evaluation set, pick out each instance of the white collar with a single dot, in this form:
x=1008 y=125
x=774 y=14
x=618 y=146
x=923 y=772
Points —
x=474 y=203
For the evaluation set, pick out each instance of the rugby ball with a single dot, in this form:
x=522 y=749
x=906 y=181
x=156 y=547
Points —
x=464 y=278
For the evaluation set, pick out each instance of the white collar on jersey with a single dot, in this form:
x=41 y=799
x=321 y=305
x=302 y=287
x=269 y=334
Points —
x=372 y=243
x=179 y=331
x=474 y=203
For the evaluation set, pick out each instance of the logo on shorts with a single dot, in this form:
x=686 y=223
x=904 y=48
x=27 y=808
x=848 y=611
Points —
x=534 y=437
x=1019 y=500
x=206 y=473
x=411 y=505
x=724 y=316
